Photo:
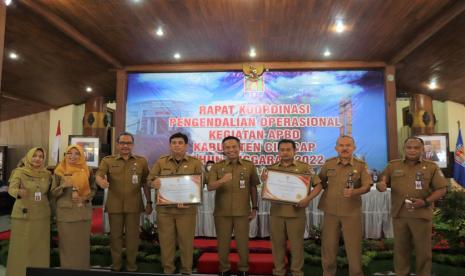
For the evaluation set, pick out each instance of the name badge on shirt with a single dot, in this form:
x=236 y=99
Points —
x=242 y=181
x=135 y=179
x=418 y=181
x=37 y=196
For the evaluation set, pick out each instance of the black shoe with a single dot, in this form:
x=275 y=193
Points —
x=226 y=273
x=242 y=273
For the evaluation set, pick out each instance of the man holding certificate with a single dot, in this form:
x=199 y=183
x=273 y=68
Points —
x=177 y=179
x=287 y=214
x=344 y=179
x=235 y=181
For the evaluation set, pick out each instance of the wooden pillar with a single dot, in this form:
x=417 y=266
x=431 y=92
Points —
x=421 y=108
x=2 y=37
x=121 y=92
x=391 y=114
x=95 y=121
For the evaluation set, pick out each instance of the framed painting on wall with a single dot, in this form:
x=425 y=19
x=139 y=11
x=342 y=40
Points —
x=436 y=148
x=90 y=145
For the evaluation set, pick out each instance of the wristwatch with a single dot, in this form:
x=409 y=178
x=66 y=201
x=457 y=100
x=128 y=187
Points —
x=255 y=208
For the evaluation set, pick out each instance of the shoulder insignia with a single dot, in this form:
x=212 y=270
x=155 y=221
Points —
x=331 y=160
x=429 y=162
x=395 y=161
x=109 y=156
x=359 y=160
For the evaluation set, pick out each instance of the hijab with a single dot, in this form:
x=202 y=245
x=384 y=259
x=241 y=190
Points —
x=79 y=172
x=25 y=165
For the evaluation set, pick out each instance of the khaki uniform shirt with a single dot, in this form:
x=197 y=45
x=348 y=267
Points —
x=126 y=178
x=401 y=177
x=66 y=209
x=231 y=199
x=290 y=210
x=334 y=176
x=27 y=207
x=167 y=165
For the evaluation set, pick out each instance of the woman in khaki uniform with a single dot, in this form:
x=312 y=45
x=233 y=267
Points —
x=30 y=217
x=73 y=192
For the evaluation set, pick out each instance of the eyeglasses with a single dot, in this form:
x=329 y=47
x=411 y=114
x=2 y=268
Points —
x=125 y=143
x=73 y=154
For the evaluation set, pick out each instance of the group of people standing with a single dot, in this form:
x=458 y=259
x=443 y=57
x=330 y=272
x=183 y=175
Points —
x=415 y=184
x=71 y=188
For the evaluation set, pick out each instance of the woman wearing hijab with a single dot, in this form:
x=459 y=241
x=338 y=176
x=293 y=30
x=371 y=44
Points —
x=30 y=217
x=73 y=191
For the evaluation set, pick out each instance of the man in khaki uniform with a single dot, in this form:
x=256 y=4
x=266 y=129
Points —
x=415 y=185
x=124 y=174
x=289 y=220
x=235 y=181
x=176 y=224
x=344 y=179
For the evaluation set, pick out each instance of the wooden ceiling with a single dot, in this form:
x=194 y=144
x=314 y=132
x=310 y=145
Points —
x=65 y=45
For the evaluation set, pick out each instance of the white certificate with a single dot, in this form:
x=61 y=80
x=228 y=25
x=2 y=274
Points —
x=286 y=187
x=185 y=189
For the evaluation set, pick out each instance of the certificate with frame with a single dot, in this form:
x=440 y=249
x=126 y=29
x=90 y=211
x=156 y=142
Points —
x=180 y=189
x=286 y=187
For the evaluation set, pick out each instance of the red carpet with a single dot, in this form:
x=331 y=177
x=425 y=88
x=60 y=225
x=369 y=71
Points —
x=260 y=257
x=259 y=264
x=97 y=221
x=5 y=235
x=97 y=224
x=255 y=246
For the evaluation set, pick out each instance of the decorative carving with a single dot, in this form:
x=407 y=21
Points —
x=106 y=120
x=409 y=119
x=426 y=118
x=253 y=71
x=90 y=119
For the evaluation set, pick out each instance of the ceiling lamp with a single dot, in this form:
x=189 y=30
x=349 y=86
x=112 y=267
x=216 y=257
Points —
x=252 y=53
x=177 y=55
x=159 y=31
x=327 y=53
x=339 y=27
x=13 y=55
x=432 y=85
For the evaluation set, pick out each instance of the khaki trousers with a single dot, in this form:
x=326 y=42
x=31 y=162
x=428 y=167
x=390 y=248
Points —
x=281 y=229
x=351 y=228
x=176 y=229
x=225 y=225
x=127 y=223
x=409 y=233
